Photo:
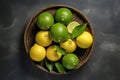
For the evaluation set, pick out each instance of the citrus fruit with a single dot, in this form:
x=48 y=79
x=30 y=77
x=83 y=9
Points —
x=53 y=54
x=43 y=38
x=45 y=20
x=70 y=61
x=69 y=45
x=63 y=15
x=72 y=25
x=37 y=52
x=59 y=32
x=85 y=40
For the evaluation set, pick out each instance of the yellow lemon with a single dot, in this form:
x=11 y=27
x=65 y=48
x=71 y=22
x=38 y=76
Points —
x=85 y=40
x=72 y=25
x=37 y=52
x=69 y=45
x=53 y=54
x=43 y=38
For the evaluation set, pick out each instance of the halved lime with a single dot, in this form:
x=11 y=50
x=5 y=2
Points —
x=72 y=25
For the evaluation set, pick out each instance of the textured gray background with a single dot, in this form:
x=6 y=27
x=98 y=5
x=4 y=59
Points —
x=104 y=63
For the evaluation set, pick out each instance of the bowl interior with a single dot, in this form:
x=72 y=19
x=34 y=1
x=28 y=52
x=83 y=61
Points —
x=32 y=29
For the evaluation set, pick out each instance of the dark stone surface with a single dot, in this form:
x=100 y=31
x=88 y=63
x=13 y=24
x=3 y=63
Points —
x=104 y=63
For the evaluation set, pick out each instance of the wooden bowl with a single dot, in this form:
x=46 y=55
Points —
x=32 y=29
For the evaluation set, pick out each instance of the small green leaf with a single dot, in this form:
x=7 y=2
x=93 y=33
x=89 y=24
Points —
x=60 y=68
x=60 y=50
x=78 y=30
x=49 y=65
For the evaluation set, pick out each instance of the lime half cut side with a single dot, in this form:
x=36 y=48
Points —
x=72 y=25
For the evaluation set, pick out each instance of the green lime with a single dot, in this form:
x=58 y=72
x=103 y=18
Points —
x=45 y=20
x=59 y=32
x=70 y=61
x=63 y=15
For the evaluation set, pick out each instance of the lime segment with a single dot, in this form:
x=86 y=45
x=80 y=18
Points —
x=72 y=25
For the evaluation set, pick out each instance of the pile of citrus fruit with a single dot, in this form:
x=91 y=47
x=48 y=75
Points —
x=57 y=40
